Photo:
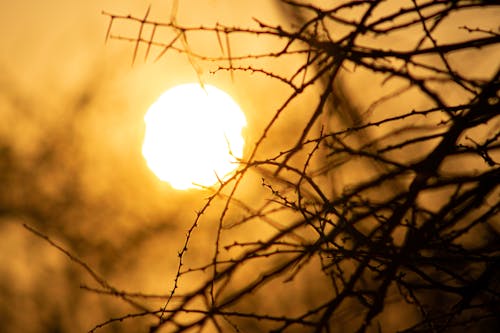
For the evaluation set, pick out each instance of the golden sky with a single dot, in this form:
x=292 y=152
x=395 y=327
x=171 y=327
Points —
x=72 y=109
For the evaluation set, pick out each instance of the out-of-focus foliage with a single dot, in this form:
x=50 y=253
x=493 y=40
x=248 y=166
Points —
x=70 y=165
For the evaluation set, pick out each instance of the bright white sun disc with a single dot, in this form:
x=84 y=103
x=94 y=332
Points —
x=193 y=136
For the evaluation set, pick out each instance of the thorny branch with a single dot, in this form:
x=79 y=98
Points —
x=382 y=238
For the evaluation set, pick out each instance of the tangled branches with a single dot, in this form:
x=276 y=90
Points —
x=378 y=208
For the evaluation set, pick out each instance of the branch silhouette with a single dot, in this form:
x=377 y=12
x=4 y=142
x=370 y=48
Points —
x=414 y=226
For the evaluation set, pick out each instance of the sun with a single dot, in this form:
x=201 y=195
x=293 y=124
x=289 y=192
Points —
x=193 y=136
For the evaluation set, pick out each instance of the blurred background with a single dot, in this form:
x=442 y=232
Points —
x=71 y=129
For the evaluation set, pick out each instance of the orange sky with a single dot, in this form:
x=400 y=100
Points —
x=53 y=58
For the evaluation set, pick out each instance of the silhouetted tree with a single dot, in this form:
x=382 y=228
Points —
x=384 y=207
